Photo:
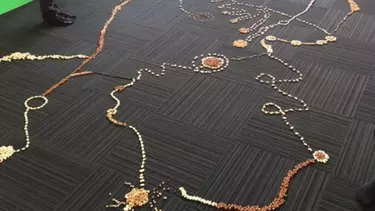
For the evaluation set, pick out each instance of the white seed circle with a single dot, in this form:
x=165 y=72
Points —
x=45 y=101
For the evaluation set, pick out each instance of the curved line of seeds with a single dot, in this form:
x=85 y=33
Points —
x=263 y=9
x=209 y=63
x=276 y=203
x=7 y=151
x=267 y=14
x=135 y=192
x=329 y=38
x=319 y=155
x=138 y=196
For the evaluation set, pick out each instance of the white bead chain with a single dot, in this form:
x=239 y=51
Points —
x=273 y=83
x=266 y=11
x=185 y=195
x=198 y=68
x=7 y=151
x=286 y=22
x=182 y=7
x=26 y=127
x=138 y=196
x=26 y=130
x=301 y=20
x=142 y=169
x=118 y=102
x=280 y=111
x=113 y=111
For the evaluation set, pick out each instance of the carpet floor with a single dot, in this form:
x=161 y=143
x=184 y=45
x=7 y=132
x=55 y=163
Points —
x=204 y=132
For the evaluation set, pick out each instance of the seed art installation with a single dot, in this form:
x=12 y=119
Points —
x=140 y=194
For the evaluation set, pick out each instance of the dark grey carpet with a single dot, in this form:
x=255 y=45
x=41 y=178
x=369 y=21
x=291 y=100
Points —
x=205 y=132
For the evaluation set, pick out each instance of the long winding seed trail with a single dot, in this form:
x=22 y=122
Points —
x=7 y=151
x=93 y=55
x=137 y=197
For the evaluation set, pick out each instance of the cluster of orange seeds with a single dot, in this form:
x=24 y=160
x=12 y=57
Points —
x=278 y=201
x=110 y=114
x=212 y=62
x=137 y=197
x=353 y=6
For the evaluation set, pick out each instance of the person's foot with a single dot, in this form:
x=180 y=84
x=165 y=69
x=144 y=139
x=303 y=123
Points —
x=366 y=194
x=56 y=18
x=56 y=8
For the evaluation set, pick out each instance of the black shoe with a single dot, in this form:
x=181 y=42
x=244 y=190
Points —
x=54 y=18
x=366 y=194
x=56 y=8
x=67 y=15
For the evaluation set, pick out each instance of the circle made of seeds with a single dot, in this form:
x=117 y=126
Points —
x=43 y=98
x=213 y=63
x=210 y=63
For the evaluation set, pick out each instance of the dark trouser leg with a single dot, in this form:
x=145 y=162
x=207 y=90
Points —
x=366 y=194
x=46 y=5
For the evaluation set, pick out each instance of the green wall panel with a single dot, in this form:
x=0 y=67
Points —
x=8 y=5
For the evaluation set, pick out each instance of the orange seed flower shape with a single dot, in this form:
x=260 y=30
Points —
x=137 y=197
x=244 y=30
x=240 y=43
x=212 y=62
